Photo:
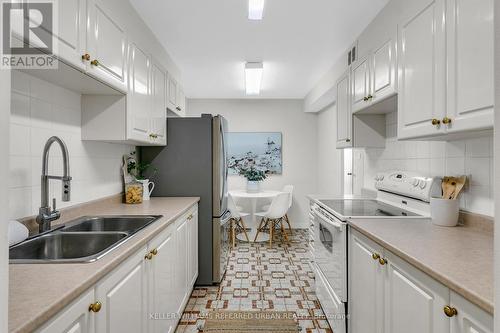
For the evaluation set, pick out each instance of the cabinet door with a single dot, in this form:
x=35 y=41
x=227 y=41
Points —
x=172 y=93
x=75 y=318
x=344 y=117
x=383 y=72
x=72 y=32
x=162 y=283
x=181 y=101
x=106 y=44
x=470 y=64
x=422 y=71
x=193 y=248
x=469 y=318
x=360 y=77
x=181 y=273
x=139 y=96
x=414 y=302
x=159 y=110
x=366 y=283
x=123 y=295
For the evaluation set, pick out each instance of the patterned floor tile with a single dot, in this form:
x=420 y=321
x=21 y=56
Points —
x=262 y=279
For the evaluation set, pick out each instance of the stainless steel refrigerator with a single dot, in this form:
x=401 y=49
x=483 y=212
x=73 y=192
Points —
x=194 y=164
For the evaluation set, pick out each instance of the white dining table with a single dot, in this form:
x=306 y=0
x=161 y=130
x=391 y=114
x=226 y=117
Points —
x=253 y=198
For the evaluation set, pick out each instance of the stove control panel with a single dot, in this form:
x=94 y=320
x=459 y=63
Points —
x=410 y=184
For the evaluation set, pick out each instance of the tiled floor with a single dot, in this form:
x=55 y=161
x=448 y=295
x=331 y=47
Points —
x=262 y=279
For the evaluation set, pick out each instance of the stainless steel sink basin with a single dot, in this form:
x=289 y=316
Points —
x=129 y=224
x=83 y=240
x=65 y=247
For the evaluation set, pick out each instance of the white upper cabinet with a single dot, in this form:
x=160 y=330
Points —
x=374 y=77
x=172 y=93
x=72 y=34
x=159 y=110
x=383 y=72
x=470 y=64
x=139 y=96
x=107 y=46
x=422 y=71
x=360 y=78
x=344 y=117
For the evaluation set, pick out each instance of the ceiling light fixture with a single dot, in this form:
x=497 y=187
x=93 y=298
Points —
x=255 y=9
x=253 y=77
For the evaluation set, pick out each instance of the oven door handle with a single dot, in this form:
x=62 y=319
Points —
x=336 y=224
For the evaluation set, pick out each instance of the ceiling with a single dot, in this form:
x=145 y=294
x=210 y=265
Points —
x=298 y=41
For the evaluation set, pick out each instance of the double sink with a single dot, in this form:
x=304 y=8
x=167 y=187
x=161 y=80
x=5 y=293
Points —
x=86 y=239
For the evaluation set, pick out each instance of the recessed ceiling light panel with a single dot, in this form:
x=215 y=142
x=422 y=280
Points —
x=255 y=9
x=253 y=77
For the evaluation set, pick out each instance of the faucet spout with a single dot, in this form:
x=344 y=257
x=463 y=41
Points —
x=46 y=214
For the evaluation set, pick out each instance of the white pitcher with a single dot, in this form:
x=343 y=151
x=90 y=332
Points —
x=147 y=188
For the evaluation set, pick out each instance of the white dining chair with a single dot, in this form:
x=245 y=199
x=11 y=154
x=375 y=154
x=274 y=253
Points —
x=236 y=220
x=274 y=217
x=286 y=189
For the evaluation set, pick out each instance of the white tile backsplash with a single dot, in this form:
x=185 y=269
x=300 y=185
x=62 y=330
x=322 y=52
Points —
x=472 y=157
x=40 y=110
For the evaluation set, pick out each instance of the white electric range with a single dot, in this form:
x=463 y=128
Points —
x=400 y=194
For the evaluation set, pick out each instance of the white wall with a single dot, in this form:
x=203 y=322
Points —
x=4 y=199
x=299 y=142
x=40 y=110
x=471 y=157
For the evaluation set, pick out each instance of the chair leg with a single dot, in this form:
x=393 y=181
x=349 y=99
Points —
x=288 y=222
x=243 y=226
x=283 y=231
x=258 y=230
x=233 y=234
x=271 y=227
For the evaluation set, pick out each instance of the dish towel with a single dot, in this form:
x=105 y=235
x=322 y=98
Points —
x=17 y=232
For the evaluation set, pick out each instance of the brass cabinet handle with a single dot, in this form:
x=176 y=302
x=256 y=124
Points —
x=365 y=99
x=148 y=256
x=382 y=261
x=436 y=121
x=449 y=311
x=178 y=108
x=86 y=57
x=94 y=62
x=154 y=252
x=347 y=140
x=375 y=256
x=446 y=120
x=153 y=136
x=95 y=307
x=369 y=97
x=190 y=217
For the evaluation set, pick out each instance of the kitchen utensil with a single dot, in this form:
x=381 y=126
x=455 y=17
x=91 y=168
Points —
x=459 y=187
x=448 y=186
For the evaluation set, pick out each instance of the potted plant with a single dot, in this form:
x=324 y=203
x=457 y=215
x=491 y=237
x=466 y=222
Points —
x=254 y=177
x=138 y=171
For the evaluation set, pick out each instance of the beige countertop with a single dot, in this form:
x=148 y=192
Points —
x=39 y=291
x=460 y=257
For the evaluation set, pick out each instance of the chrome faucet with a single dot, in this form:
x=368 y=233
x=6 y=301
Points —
x=46 y=214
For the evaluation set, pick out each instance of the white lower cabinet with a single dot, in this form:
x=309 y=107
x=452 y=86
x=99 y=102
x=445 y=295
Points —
x=123 y=298
x=469 y=318
x=146 y=293
x=386 y=294
x=414 y=302
x=76 y=318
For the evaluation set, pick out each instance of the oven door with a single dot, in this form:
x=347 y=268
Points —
x=330 y=249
